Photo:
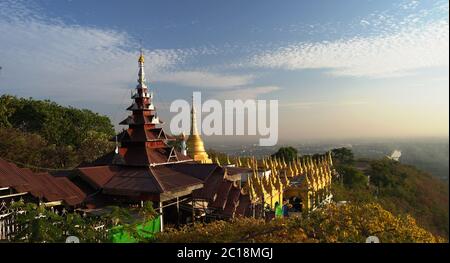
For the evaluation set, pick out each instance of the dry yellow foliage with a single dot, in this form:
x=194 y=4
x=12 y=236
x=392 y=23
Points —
x=345 y=223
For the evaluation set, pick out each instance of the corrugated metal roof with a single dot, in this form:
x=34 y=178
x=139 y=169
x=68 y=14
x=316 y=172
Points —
x=132 y=181
x=40 y=185
x=197 y=170
x=56 y=189
x=97 y=176
x=128 y=180
x=171 y=179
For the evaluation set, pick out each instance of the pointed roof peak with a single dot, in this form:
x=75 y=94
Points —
x=141 y=57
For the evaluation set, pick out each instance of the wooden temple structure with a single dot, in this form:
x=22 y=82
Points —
x=145 y=168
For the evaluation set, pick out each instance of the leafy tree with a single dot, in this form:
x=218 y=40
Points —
x=57 y=124
x=343 y=156
x=356 y=195
x=6 y=110
x=94 y=146
x=352 y=177
x=287 y=153
x=45 y=134
x=31 y=150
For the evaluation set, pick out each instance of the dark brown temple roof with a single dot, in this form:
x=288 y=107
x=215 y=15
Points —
x=221 y=197
x=126 y=180
x=141 y=135
x=212 y=183
x=41 y=185
x=199 y=171
x=171 y=179
x=61 y=188
x=232 y=201
x=97 y=176
x=244 y=205
x=238 y=170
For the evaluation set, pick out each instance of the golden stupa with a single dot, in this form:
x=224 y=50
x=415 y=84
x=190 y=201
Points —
x=195 y=146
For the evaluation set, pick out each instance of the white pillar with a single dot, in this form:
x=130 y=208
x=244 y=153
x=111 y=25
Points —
x=161 y=216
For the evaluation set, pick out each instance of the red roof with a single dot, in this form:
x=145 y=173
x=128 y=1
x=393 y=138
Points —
x=140 y=134
x=40 y=185
x=139 y=155
x=97 y=176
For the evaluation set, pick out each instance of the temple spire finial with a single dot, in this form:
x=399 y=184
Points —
x=141 y=56
x=141 y=74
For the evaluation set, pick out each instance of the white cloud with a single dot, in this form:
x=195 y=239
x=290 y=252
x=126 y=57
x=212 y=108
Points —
x=377 y=56
x=204 y=79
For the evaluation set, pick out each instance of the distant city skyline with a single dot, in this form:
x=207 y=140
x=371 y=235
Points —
x=339 y=69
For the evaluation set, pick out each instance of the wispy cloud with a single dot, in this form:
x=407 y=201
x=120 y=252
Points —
x=204 y=79
x=391 y=42
x=377 y=56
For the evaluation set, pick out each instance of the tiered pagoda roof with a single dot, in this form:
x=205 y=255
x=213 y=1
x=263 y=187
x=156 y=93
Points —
x=145 y=167
x=143 y=143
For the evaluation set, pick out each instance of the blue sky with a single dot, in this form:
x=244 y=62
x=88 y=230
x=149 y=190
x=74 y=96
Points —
x=339 y=69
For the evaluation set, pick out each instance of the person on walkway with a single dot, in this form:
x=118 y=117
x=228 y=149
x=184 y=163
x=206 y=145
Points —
x=286 y=209
x=278 y=210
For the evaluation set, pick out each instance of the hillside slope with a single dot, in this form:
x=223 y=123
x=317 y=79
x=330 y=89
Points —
x=402 y=189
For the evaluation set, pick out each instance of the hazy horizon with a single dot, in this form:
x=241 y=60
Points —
x=238 y=141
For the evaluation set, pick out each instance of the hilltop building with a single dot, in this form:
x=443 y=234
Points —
x=145 y=168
